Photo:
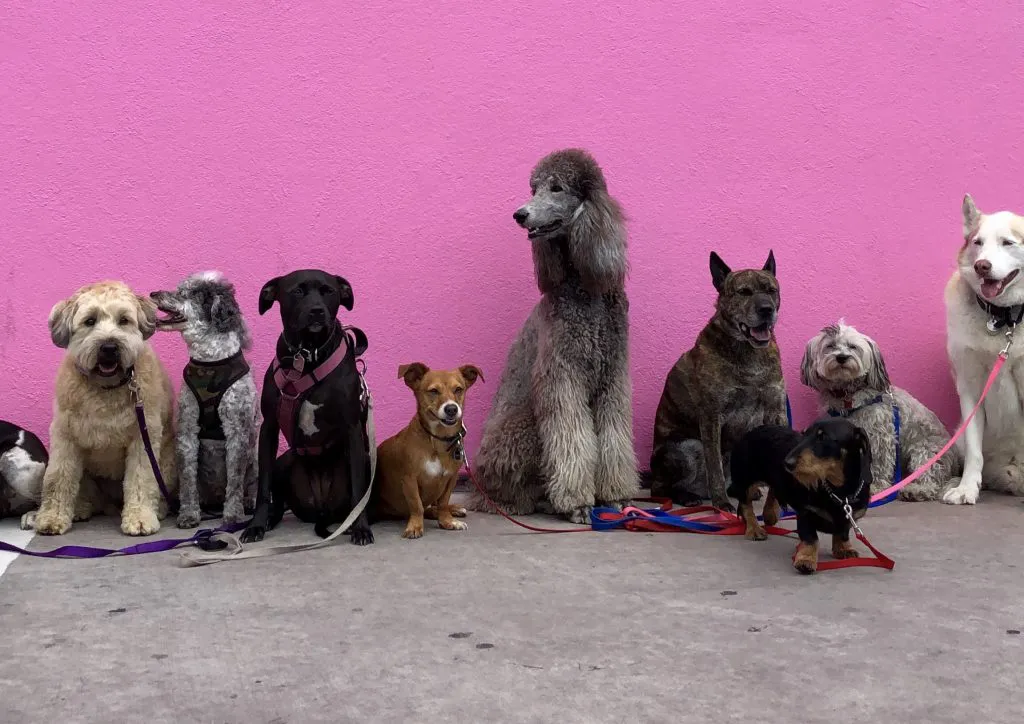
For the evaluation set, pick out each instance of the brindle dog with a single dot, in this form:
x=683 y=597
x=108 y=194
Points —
x=728 y=384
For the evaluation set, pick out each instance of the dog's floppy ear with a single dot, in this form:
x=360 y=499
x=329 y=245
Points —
x=719 y=271
x=60 y=322
x=470 y=374
x=413 y=373
x=863 y=445
x=878 y=375
x=972 y=217
x=807 y=373
x=268 y=295
x=345 y=292
x=597 y=242
x=769 y=266
x=147 y=315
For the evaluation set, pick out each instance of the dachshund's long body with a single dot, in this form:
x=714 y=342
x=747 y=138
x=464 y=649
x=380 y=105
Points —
x=815 y=473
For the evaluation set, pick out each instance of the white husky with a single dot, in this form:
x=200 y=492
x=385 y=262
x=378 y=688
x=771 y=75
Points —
x=985 y=300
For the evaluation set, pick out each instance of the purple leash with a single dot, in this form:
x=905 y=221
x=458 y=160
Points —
x=202 y=538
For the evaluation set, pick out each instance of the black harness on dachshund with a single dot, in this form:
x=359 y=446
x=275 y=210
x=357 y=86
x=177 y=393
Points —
x=295 y=387
x=208 y=382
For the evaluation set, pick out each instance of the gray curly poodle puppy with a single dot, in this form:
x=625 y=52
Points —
x=848 y=372
x=560 y=431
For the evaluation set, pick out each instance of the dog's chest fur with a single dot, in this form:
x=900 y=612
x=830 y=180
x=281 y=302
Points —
x=591 y=330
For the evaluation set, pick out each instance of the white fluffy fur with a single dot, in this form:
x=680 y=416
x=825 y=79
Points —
x=994 y=441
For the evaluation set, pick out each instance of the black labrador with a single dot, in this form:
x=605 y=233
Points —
x=313 y=393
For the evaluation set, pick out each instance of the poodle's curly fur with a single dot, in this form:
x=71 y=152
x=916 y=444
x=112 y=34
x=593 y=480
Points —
x=560 y=429
x=847 y=370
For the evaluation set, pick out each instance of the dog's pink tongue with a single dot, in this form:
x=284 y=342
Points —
x=761 y=334
x=991 y=288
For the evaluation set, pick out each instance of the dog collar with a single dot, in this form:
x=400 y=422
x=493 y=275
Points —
x=1000 y=317
x=848 y=407
x=128 y=375
x=455 y=445
x=301 y=355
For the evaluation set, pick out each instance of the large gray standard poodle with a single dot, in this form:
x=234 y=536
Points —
x=561 y=426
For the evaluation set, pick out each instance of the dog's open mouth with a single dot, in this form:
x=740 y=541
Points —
x=760 y=336
x=992 y=288
x=170 y=318
x=532 y=232
x=107 y=368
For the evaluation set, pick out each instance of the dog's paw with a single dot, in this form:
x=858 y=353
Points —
x=253 y=534
x=755 y=533
x=961 y=495
x=842 y=549
x=457 y=511
x=28 y=520
x=49 y=523
x=580 y=516
x=454 y=525
x=139 y=521
x=413 y=530
x=806 y=559
x=616 y=505
x=724 y=505
x=361 y=536
x=189 y=519
x=916 y=494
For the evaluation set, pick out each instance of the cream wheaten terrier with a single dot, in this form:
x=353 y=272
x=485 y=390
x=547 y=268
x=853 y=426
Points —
x=97 y=459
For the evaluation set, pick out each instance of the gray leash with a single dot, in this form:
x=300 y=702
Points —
x=235 y=550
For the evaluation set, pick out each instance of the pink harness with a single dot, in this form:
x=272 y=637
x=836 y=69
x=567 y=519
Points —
x=294 y=387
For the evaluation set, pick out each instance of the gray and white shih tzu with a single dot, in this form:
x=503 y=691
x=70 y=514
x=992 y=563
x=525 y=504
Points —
x=848 y=372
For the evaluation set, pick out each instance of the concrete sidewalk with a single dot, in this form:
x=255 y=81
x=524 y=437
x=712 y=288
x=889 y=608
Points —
x=497 y=625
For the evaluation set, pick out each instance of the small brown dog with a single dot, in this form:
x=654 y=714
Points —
x=417 y=469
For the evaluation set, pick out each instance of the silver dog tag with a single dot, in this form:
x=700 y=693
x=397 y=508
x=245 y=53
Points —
x=991 y=325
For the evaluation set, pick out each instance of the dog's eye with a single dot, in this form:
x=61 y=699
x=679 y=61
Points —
x=298 y=292
x=1007 y=242
x=123 y=321
x=433 y=393
x=746 y=291
x=89 y=321
x=821 y=433
x=555 y=189
x=325 y=290
x=458 y=390
x=978 y=242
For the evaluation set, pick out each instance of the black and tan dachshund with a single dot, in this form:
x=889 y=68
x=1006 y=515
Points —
x=816 y=473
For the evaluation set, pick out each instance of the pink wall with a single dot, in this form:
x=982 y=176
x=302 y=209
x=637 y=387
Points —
x=391 y=141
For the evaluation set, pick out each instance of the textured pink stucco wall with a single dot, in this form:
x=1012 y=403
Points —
x=391 y=141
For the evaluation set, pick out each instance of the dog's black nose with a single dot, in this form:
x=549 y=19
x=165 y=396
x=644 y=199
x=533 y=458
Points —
x=843 y=358
x=982 y=267
x=318 y=313
x=765 y=310
x=451 y=410
x=108 y=350
x=521 y=215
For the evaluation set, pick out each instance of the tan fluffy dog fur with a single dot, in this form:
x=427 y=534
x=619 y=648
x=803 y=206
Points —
x=416 y=473
x=94 y=436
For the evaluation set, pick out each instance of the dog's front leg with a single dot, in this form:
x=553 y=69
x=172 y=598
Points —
x=359 y=480
x=711 y=439
x=61 y=483
x=568 y=441
x=446 y=512
x=616 y=479
x=806 y=558
x=187 y=444
x=236 y=419
x=269 y=435
x=966 y=493
x=140 y=514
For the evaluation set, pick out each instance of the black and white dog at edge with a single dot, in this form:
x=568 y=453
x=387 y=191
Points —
x=217 y=405
x=23 y=461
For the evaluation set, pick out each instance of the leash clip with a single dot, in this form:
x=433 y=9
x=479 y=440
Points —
x=848 y=510
x=134 y=389
x=1009 y=340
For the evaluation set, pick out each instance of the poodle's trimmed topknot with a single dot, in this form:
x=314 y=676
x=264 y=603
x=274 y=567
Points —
x=575 y=168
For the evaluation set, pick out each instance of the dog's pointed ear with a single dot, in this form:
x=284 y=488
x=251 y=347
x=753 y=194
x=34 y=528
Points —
x=345 y=292
x=719 y=271
x=878 y=375
x=268 y=295
x=147 y=315
x=769 y=266
x=972 y=217
x=470 y=373
x=864 y=452
x=413 y=373
x=60 y=322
